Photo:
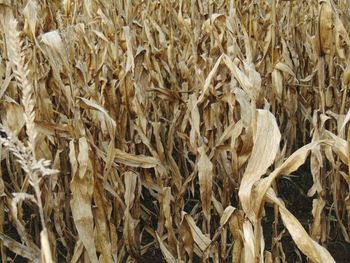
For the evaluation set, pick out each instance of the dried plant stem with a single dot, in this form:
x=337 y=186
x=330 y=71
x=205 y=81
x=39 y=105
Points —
x=2 y=216
x=257 y=239
x=36 y=185
x=275 y=251
x=273 y=31
x=321 y=82
x=343 y=101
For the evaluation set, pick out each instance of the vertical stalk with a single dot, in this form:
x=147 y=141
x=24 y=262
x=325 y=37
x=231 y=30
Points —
x=274 y=249
x=343 y=102
x=257 y=237
x=273 y=31
x=321 y=81
x=2 y=216
x=45 y=244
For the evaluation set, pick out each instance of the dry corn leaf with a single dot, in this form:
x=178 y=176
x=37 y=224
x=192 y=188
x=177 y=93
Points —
x=14 y=119
x=20 y=249
x=342 y=39
x=248 y=241
x=194 y=121
x=209 y=79
x=55 y=48
x=249 y=85
x=346 y=120
x=236 y=228
x=205 y=177
x=168 y=219
x=45 y=247
x=226 y=215
x=339 y=146
x=305 y=243
x=82 y=187
x=135 y=160
x=199 y=238
x=316 y=228
x=30 y=13
x=103 y=239
x=186 y=237
x=78 y=251
x=266 y=145
x=277 y=83
x=166 y=253
x=130 y=64
x=326 y=25
x=132 y=192
x=290 y=165
x=283 y=67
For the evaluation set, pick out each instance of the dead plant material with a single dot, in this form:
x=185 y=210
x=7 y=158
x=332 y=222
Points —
x=135 y=130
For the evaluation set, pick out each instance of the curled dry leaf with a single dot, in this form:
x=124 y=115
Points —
x=201 y=241
x=266 y=145
x=305 y=243
x=14 y=120
x=20 y=249
x=166 y=253
x=290 y=165
x=246 y=83
x=277 y=83
x=186 y=237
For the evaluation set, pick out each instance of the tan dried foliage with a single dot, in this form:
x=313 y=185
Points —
x=139 y=131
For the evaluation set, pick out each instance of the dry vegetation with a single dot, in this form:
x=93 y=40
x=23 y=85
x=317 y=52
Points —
x=174 y=129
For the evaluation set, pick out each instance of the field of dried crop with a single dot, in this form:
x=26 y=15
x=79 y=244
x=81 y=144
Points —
x=174 y=131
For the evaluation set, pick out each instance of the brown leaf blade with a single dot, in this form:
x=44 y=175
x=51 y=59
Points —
x=266 y=145
x=308 y=246
x=82 y=186
x=205 y=176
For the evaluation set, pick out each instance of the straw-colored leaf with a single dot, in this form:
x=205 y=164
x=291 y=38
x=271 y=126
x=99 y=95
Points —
x=309 y=247
x=266 y=145
x=290 y=165
x=82 y=186
x=19 y=248
x=199 y=238
x=205 y=177
x=326 y=27
x=135 y=160
x=166 y=253
x=30 y=13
